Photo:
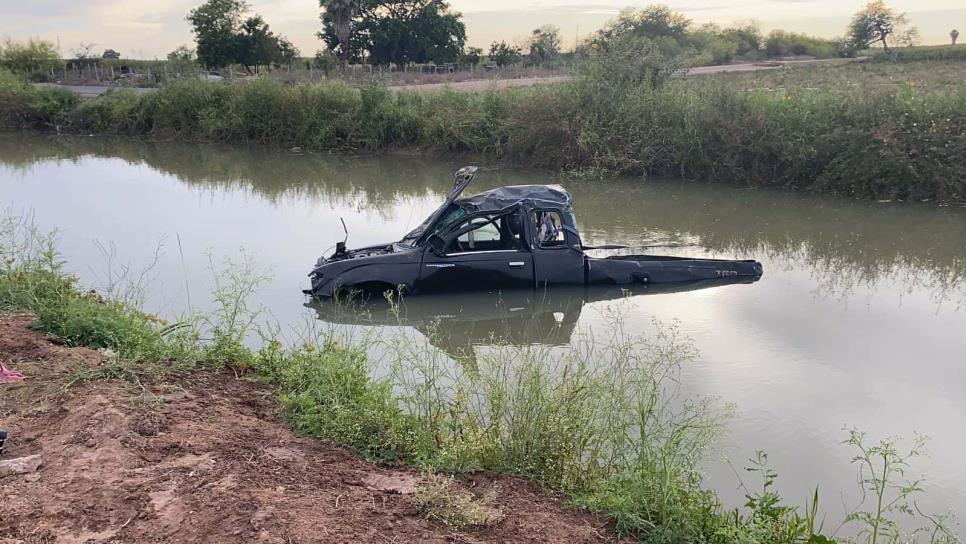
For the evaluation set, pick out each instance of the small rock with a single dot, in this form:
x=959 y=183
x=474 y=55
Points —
x=20 y=465
x=90 y=443
x=402 y=484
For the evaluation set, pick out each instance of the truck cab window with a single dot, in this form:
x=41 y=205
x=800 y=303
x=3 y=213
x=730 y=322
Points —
x=549 y=228
x=485 y=233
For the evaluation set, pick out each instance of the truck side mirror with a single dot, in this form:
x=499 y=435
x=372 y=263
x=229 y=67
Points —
x=436 y=244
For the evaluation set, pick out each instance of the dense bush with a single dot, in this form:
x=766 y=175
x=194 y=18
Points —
x=780 y=43
x=23 y=105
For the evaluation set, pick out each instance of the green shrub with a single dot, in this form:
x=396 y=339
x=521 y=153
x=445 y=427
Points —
x=922 y=53
x=780 y=43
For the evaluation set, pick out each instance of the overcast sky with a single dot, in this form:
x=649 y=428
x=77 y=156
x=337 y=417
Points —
x=151 y=28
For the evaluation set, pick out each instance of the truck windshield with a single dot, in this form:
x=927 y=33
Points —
x=451 y=214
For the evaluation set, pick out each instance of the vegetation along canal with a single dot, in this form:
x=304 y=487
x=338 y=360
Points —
x=857 y=321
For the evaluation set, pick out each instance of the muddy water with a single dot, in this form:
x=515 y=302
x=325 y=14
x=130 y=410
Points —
x=859 y=320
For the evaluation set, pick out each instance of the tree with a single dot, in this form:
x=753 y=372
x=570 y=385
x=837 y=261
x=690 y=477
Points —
x=84 y=51
x=395 y=31
x=877 y=22
x=225 y=36
x=746 y=35
x=287 y=52
x=216 y=25
x=954 y=35
x=503 y=54
x=110 y=54
x=182 y=53
x=337 y=21
x=545 y=43
x=25 y=58
x=473 y=55
x=257 y=45
x=647 y=45
x=325 y=60
x=655 y=21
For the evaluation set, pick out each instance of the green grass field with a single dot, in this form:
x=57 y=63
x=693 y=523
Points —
x=874 y=76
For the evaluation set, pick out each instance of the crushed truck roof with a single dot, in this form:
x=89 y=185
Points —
x=535 y=196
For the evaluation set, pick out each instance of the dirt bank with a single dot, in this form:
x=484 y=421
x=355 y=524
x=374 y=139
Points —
x=206 y=460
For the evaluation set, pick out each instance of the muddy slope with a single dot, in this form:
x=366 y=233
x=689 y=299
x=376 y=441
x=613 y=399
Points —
x=206 y=460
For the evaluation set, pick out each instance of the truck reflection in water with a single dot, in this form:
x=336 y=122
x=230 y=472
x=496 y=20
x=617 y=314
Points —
x=455 y=323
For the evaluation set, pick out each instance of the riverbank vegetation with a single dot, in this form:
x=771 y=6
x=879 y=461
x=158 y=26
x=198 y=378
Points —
x=602 y=422
x=869 y=130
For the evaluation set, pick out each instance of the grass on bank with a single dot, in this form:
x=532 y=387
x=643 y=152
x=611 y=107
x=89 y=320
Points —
x=603 y=422
x=866 y=130
x=923 y=53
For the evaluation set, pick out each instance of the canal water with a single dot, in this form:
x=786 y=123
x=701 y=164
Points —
x=859 y=319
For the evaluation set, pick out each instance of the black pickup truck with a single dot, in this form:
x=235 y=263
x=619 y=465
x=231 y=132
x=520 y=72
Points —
x=508 y=237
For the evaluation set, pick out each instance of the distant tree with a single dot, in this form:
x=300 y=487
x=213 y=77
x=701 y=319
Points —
x=472 y=55
x=287 y=52
x=717 y=46
x=30 y=56
x=645 y=45
x=655 y=21
x=325 y=60
x=225 y=36
x=84 y=51
x=781 y=43
x=182 y=53
x=503 y=54
x=338 y=17
x=110 y=54
x=256 y=44
x=545 y=43
x=216 y=25
x=877 y=22
x=954 y=35
x=746 y=36
x=395 y=31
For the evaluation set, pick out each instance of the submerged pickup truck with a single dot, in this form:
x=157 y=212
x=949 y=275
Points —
x=522 y=236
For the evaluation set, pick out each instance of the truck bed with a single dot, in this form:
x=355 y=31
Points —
x=631 y=269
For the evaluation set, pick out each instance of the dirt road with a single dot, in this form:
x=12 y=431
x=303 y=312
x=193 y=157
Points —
x=206 y=460
x=497 y=83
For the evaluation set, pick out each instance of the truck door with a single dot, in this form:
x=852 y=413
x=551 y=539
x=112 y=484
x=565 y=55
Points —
x=482 y=252
x=557 y=255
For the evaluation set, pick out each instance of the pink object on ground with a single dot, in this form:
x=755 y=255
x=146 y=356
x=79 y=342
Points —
x=9 y=376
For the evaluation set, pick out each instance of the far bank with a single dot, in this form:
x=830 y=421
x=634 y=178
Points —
x=886 y=131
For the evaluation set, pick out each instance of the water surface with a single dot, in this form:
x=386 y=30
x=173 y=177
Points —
x=859 y=319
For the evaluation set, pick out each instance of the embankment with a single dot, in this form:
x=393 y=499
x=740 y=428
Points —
x=897 y=142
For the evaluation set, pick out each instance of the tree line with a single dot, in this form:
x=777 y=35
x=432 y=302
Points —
x=652 y=40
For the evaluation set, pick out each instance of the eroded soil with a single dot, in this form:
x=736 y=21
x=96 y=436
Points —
x=207 y=460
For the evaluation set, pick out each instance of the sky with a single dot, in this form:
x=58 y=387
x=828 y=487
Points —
x=151 y=28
